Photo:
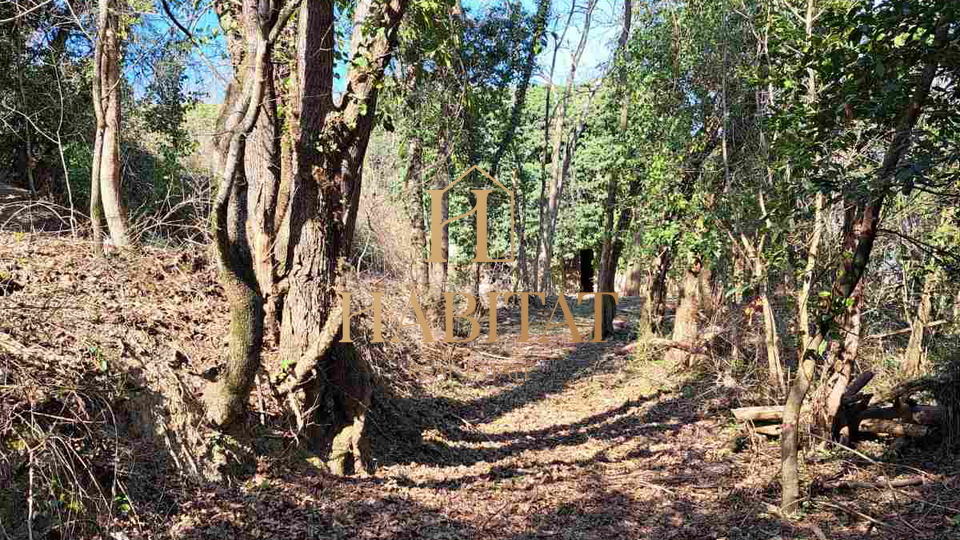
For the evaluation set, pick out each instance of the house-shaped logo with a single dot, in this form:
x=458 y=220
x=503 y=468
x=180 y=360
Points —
x=437 y=222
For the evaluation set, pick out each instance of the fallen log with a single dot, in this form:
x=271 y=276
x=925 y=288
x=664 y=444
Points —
x=890 y=427
x=754 y=414
x=925 y=415
x=770 y=431
x=876 y=427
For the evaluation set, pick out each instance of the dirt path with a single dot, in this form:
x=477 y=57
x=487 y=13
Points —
x=590 y=445
x=586 y=444
x=583 y=446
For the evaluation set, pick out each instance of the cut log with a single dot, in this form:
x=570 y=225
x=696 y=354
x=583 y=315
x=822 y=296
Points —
x=857 y=385
x=906 y=330
x=745 y=414
x=891 y=427
x=770 y=431
x=925 y=415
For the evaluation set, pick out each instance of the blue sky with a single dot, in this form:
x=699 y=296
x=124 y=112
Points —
x=603 y=34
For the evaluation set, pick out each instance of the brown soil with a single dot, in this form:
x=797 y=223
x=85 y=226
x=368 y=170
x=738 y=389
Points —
x=583 y=444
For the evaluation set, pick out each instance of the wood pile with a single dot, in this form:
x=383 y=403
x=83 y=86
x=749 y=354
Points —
x=893 y=413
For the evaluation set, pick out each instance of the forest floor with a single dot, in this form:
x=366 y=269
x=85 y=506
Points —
x=583 y=443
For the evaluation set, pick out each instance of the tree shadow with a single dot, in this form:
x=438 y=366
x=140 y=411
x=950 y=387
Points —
x=404 y=420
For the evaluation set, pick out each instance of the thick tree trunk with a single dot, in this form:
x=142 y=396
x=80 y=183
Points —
x=686 y=327
x=262 y=172
x=329 y=152
x=325 y=157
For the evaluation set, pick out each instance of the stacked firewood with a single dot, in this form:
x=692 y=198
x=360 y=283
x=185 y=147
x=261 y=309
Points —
x=894 y=413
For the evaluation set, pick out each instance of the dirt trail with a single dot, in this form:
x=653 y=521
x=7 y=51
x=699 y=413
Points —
x=587 y=444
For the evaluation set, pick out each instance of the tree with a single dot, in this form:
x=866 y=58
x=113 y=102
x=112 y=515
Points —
x=105 y=195
x=849 y=37
x=612 y=240
x=328 y=145
x=564 y=146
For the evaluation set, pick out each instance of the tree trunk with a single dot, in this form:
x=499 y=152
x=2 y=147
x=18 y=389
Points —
x=915 y=350
x=441 y=269
x=863 y=220
x=329 y=153
x=847 y=351
x=803 y=299
x=413 y=185
x=226 y=399
x=775 y=375
x=106 y=158
x=262 y=172
x=524 y=276
x=654 y=305
x=326 y=157
x=612 y=241
x=686 y=327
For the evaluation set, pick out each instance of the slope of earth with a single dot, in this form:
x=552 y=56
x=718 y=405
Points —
x=582 y=443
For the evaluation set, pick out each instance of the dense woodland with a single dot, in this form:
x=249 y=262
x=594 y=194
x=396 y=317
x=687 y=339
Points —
x=194 y=197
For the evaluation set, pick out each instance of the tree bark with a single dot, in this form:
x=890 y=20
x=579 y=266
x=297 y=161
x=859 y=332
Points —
x=329 y=150
x=686 y=326
x=921 y=321
x=315 y=232
x=863 y=219
x=226 y=399
x=105 y=194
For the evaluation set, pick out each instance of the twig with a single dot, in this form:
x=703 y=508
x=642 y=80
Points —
x=483 y=526
x=873 y=520
x=903 y=482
